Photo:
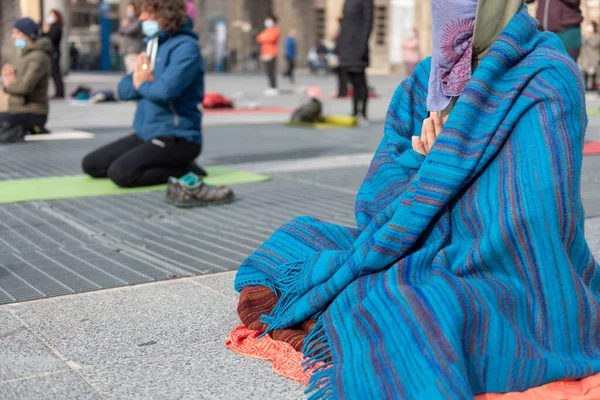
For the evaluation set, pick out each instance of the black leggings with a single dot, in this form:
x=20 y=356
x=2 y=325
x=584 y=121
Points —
x=361 y=91
x=342 y=82
x=271 y=67
x=291 y=66
x=131 y=162
x=57 y=77
x=32 y=123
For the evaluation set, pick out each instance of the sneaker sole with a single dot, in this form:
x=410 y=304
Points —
x=199 y=203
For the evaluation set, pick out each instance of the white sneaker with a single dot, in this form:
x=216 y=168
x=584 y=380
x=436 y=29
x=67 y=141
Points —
x=271 y=92
x=362 y=120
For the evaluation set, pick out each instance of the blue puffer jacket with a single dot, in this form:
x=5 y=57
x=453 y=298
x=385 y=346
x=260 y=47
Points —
x=169 y=105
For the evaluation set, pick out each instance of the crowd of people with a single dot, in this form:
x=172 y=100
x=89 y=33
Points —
x=167 y=117
x=351 y=53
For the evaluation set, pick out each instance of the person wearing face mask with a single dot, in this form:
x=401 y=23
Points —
x=26 y=82
x=131 y=31
x=269 y=40
x=53 y=29
x=168 y=84
x=590 y=55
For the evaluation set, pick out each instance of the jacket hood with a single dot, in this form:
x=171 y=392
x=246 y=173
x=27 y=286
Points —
x=491 y=19
x=42 y=44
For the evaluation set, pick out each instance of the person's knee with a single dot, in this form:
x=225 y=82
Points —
x=121 y=176
x=93 y=166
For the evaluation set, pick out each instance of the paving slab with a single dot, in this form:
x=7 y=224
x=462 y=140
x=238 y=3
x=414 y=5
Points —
x=220 y=283
x=153 y=320
x=21 y=353
x=57 y=386
x=208 y=372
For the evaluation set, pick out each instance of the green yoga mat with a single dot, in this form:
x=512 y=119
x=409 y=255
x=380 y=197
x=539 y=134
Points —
x=68 y=187
x=332 y=122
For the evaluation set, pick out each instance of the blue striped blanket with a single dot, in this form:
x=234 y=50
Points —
x=469 y=272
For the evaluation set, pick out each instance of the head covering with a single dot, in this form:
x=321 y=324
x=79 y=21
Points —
x=463 y=31
x=28 y=27
x=492 y=17
x=453 y=24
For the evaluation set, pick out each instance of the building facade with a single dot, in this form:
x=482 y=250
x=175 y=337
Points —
x=230 y=26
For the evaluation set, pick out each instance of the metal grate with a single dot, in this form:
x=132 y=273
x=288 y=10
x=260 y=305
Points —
x=71 y=246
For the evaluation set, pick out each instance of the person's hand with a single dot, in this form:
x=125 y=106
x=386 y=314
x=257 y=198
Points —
x=432 y=127
x=143 y=71
x=125 y=22
x=45 y=27
x=8 y=75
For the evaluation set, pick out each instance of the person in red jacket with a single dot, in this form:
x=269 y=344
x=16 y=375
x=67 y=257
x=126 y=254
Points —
x=269 y=40
x=564 y=18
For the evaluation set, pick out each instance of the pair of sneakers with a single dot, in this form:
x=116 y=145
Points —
x=190 y=191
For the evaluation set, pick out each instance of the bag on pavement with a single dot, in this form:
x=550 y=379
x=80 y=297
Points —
x=311 y=112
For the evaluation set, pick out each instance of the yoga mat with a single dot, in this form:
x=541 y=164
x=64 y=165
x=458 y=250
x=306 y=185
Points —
x=68 y=187
x=591 y=149
x=332 y=122
x=67 y=135
x=269 y=110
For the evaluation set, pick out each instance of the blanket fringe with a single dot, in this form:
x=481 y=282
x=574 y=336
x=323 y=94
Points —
x=256 y=282
x=318 y=356
x=289 y=295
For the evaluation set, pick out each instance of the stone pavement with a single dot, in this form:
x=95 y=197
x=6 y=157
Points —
x=164 y=337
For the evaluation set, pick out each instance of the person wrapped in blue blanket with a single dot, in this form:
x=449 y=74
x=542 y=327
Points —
x=468 y=271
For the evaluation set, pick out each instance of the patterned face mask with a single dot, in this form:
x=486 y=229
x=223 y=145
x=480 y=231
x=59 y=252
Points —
x=451 y=61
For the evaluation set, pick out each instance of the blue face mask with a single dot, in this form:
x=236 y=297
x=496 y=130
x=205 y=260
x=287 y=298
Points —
x=131 y=15
x=150 y=28
x=20 y=43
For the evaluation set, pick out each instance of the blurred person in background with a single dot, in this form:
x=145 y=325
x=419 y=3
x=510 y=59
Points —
x=412 y=52
x=74 y=57
x=290 y=54
x=590 y=55
x=168 y=84
x=353 y=50
x=564 y=18
x=334 y=64
x=131 y=31
x=26 y=82
x=53 y=30
x=269 y=40
x=190 y=6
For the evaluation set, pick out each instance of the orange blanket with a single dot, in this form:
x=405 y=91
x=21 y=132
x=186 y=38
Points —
x=287 y=362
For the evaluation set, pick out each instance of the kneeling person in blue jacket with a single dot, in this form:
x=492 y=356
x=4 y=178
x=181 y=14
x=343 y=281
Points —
x=168 y=83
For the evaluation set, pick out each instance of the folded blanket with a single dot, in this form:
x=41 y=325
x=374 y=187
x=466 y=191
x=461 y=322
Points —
x=469 y=272
x=287 y=362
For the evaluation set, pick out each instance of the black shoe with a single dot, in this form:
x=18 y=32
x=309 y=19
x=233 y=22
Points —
x=11 y=134
x=198 y=170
